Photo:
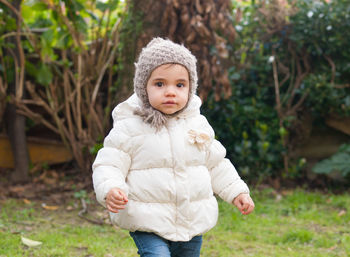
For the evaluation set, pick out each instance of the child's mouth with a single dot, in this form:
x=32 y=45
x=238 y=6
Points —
x=169 y=102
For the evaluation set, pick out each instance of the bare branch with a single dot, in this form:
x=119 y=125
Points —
x=295 y=108
x=342 y=86
x=330 y=61
x=102 y=72
x=277 y=90
x=78 y=102
x=24 y=110
x=299 y=78
x=20 y=82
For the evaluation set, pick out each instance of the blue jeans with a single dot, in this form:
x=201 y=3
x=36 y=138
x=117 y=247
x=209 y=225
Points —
x=151 y=245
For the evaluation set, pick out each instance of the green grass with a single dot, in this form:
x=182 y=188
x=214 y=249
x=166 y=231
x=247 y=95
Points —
x=295 y=223
x=299 y=224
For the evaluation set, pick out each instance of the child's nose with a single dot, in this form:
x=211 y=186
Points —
x=170 y=91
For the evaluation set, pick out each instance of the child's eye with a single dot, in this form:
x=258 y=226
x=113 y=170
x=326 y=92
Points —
x=159 y=84
x=180 y=85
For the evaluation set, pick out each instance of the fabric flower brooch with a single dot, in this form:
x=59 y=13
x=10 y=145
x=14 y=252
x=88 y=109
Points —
x=198 y=138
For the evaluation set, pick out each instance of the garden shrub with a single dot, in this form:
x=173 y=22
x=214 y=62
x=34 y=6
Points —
x=308 y=43
x=247 y=123
x=69 y=59
x=324 y=29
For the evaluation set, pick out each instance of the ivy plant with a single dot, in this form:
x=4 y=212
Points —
x=339 y=162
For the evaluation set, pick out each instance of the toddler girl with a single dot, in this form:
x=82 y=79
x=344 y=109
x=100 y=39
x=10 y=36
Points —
x=160 y=164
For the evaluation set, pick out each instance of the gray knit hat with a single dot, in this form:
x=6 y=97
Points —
x=158 y=52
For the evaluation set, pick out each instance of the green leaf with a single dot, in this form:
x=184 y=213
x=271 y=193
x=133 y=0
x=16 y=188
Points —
x=282 y=131
x=340 y=161
x=243 y=57
x=102 y=6
x=10 y=24
x=39 y=6
x=63 y=39
x=96 y=148
x=26 y=11
x=31 y=69
x=48 y=36
x=111 y=5
x=76 y=5
x=44 y=76
x=81 y=25
x=235 y=76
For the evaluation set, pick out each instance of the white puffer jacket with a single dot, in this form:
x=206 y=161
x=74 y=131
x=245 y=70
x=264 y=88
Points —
x=170 y=176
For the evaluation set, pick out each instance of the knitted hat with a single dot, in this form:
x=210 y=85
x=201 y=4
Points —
x=158 y=52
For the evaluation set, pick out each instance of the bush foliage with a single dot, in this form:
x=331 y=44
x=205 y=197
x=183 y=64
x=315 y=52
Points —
x=68 y=52
x=307 y=41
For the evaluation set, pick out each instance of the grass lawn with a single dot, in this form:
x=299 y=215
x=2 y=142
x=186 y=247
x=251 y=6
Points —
x=291 y=223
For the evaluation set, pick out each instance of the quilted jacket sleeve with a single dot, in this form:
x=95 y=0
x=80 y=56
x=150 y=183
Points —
x=225 y=180
x=111 y=164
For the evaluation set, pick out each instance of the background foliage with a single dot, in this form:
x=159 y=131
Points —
x=69 y=50
x=287 y=59
x=307 y=43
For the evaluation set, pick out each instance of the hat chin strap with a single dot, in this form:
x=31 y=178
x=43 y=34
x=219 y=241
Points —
x=151 y=116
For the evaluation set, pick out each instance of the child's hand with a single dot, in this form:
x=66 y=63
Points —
x=116 y=200
x=244 y=203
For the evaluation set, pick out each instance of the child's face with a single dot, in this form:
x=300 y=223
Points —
x=168 y=88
